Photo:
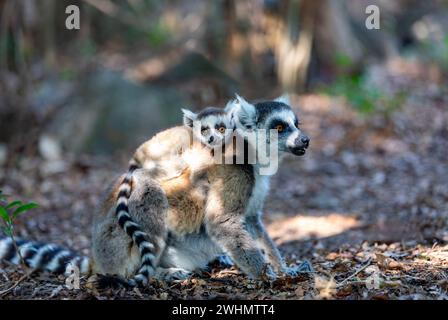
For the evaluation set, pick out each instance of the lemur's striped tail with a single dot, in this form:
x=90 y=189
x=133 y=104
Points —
x=140 y=238
x=43 y=256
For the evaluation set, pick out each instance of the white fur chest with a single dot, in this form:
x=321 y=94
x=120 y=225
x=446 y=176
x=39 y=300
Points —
x=259 y=193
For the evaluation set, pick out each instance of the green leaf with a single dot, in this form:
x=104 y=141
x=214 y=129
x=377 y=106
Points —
x=4 y=214
x=158 y=34
x=14 y=203
x=24 y=208
x=343 y=60
x=7 y=231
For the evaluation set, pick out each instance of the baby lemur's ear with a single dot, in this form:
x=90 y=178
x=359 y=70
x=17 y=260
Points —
x=245 y=113
x=283 y=99
x=189 y=117
x=231 y=106
x=230 y=110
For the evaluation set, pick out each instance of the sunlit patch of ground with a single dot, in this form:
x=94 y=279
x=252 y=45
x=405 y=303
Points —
x=435 y=256
x=301 y=227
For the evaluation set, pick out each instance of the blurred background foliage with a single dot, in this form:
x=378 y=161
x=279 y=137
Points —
x=134 y=63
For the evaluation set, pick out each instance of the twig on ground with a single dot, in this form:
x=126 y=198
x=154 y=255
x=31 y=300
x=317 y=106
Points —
x=344 y=282
x=25 y=276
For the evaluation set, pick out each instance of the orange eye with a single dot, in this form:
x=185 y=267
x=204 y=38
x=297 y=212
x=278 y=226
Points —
x=279 y=128
x=222 y=129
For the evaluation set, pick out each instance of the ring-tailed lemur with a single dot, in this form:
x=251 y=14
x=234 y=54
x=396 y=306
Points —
x=226 y=220
x=230 y=221
x=176 y=157
x=167 y=156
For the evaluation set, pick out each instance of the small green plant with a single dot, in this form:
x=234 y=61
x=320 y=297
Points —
x=158 y=35
x=9 y=211
x=362 y=97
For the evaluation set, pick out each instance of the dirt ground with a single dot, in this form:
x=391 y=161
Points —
x=367 y=207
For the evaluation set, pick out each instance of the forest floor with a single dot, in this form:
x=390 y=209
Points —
x=367 y=207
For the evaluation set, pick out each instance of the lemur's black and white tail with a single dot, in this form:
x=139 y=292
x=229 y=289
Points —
x=140 y=238
x=43 y=256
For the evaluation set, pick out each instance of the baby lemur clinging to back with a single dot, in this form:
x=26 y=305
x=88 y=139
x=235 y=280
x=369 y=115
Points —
x=175 y=158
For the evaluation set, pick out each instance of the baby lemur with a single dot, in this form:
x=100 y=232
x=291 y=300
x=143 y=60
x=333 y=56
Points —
x=175 y=159
x=187 y=224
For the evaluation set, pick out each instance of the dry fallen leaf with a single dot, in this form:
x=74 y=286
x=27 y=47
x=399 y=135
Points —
x=394 y=265
x=326 y=287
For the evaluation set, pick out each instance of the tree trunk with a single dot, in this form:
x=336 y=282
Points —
x=291 y=30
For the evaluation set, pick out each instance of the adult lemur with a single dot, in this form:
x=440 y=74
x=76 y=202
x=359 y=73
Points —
x=226 y=218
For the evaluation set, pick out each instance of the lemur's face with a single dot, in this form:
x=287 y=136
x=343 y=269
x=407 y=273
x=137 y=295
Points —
x=212 y=126
x=215 y=130
x=290 y=138
x=272 y=115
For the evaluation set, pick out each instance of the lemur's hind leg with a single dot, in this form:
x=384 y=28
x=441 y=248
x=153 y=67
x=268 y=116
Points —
x=114 y=251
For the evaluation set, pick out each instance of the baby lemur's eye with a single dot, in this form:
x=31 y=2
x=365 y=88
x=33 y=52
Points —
x=221 y=127
x=279 y=127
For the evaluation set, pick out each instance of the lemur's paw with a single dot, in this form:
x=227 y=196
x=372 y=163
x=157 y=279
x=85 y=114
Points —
x=269 y=274
x=172 y=274
x=294 y=270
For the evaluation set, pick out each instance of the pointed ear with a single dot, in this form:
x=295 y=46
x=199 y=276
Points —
x=231 y=106
x=230 y=109
x=283 y=99
x=189 y=117
x=241 y=101
x=245 y=113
